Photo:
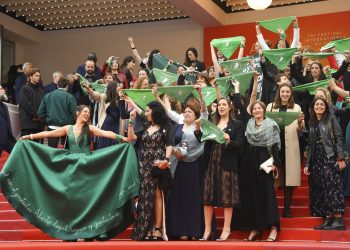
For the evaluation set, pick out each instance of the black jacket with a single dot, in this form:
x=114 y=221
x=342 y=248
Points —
x=229 y=157
x=332 y=140
x=31 y=97
x=5 y=125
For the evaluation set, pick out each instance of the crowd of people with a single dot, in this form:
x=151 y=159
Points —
x=180 y=176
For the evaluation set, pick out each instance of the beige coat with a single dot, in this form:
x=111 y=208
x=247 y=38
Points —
x=102 y=107
x=292 y=151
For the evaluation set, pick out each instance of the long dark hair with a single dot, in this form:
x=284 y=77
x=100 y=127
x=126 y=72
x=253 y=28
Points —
x=326 y=114
x=159 y=116
x=232 y=112
x=278 y=100
x=150 y=58
x=187 y=60
x=112 y=94
x=85 y=130
x=321 y=76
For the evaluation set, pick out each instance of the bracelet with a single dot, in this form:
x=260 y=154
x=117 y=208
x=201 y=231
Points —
x=31 y=136
x=241 y=45
x=131 y=122
x=283 y=36
x=118 y=137
x=133 y=48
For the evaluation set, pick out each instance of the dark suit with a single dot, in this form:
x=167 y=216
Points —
x=7 y=141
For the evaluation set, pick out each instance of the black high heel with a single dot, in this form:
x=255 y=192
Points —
x=155 y=237
x=270 y=239
x=254 y=237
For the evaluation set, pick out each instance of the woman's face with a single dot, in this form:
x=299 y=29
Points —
x=145 y=84
x=258 y=111
x=315 y=70
x=320 y=93
x=181 y=70
x=107 y=79
x=130 y=65
x=319 y=107
x=223 y=107
x=201 y=81
x=142 y=73
x=189 y=116
x=281 y=44
x=191 y=56
x=148 y=114
x=257 y=46
x=84 y=115
x=219 y=54
x=115 y=65
x=226 y=72
x=285 y=94
x=211 y=73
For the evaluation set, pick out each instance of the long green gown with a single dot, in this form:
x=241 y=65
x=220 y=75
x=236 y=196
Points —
x=75 y=193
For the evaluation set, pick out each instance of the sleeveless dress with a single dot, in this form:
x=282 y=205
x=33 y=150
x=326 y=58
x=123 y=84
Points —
x=75 y=193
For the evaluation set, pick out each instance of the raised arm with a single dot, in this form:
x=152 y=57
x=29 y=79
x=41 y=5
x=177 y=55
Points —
x=296 y=33
x=47 y=134
x=254 y=91
x=217 y=67
x=137 y=57
x=241 y=49
x=260 y=38
x=131 y=131
x=204 y=110
x=107 y=134
x=336 y=89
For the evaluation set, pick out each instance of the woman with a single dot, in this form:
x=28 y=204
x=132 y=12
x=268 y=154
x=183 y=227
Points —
x=191 y=60
x=259 y=209
x=60 y=185
x=184 y=206
x=112 y=66
x=141 y=83
x=325 y=161
x=127 y=68
x=109 y=112
x=289 y=153
x=154 y=172
x=221 y=168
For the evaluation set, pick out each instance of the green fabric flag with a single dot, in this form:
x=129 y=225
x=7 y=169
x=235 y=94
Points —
x=278 y=23
x=140 y=96
x=83 y=80
x=191 y=77
x=161 y=62
x=280 y=57
x=96 y=85
x=283 y=118
x=225 y=85
x=211 y=132
x=227 y=46
x=71 y=195
x=179 y=92
x=311 y=87
x=209 y=95
x=342 y=45
x=244 y=81
x=236 y=66
x=327 y=46
x=318 y=55
x=164 y=77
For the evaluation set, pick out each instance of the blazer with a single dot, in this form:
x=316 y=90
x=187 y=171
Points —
x=5 y=123
x=230 y=154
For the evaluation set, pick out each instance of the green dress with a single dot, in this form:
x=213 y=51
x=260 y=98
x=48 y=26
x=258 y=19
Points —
x=75 y=193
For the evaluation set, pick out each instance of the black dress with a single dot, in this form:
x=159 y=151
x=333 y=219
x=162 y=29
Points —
x=259 y=208
x=185 y=206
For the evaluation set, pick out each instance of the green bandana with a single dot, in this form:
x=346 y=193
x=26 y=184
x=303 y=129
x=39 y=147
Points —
x=283 y=118
x=179 y=92
x=236 y=66
x=191 y=77
x=164 y=77
x=278 y=23
x=96 y=85
x=327 y=46
x=211 y=132
x=342 y=45
x=317 y=56
x=209 y=95
x=311 y=87
x=110 y=61
x=244 y=81
x=161 y=62
x=227 y=46
x=280 y=57
x=140 y=96
x=224 y=84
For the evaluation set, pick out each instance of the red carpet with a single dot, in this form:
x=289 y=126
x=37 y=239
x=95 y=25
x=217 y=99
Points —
x=295 y=233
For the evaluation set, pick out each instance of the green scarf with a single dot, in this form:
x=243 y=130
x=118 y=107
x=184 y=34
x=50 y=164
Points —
x=236 y=66
x=227 y=46
x=164 y=77
x=318 y=55
x=140 y=96
x=211 y=132
x=244 y=81
x=283 y=118
x=280 y=57
x=161 y=62
x=278 y=23
x=311 y=87
x=179 y=92
x=342 y=45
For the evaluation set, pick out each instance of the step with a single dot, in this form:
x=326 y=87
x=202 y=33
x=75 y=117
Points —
x=15 y=225
x=298 y=191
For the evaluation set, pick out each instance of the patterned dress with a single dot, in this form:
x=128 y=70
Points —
x=325 y=183
x=153 y=148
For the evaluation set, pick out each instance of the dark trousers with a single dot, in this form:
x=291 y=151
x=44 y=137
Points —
x=7 y=147
x=53 y=142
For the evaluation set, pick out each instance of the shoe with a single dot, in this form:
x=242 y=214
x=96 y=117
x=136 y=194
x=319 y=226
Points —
x=286 y=213
x=273 y=237
x=183 y=238
x=337 y=224
x=157 y=234
x=206 y=237
x=149 y=235
x=254 y=237
x=224 y=236
x=328 y=221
